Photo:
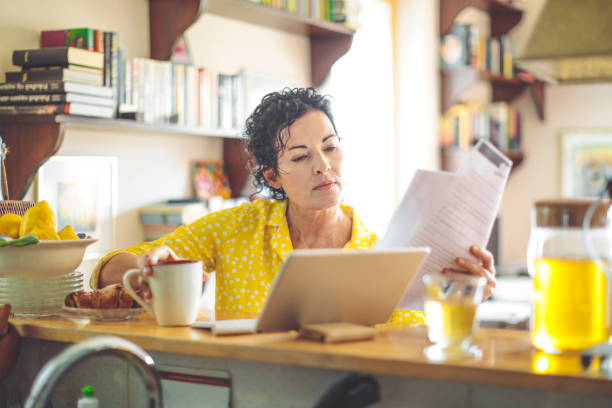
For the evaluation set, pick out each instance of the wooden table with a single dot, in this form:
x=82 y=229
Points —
x=508 y=359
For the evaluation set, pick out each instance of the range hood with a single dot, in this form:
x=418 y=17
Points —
x=571 y=42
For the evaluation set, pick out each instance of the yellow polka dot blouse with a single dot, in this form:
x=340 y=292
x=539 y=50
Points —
x=245 y=246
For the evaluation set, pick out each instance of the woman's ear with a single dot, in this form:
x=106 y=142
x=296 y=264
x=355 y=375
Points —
x=272 y=178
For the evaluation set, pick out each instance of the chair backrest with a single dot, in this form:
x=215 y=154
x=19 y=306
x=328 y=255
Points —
x=15 y=207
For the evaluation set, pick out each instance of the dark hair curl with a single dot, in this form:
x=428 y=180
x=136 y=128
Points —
x=276 y=112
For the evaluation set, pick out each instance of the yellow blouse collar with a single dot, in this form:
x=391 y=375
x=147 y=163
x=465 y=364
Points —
x=281 y=240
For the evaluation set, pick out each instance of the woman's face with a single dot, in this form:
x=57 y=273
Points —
x=309 y=165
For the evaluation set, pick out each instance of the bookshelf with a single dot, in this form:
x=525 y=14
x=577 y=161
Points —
x=503 y=16
x=32 y=140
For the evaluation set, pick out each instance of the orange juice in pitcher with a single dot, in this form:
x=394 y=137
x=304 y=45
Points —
x=571 y=289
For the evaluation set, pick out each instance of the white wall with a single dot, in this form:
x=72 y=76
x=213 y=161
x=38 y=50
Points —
x=151 y=166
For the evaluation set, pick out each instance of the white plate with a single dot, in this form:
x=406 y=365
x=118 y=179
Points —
x=101 y=314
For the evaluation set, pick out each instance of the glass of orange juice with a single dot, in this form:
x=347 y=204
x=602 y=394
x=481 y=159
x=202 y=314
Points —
x=450 y=306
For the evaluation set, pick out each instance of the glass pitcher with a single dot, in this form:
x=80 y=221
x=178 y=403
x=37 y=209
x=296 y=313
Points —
x=571 y=305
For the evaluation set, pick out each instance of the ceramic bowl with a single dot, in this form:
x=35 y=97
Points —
x=44 y=259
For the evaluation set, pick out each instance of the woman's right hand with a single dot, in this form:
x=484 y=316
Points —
x=158 y=255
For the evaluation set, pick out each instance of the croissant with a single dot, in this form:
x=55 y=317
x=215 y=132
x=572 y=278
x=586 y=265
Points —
x=110 y=297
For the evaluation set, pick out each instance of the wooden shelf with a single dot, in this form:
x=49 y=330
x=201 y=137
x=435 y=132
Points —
x=454 y=82
x=267 y=16
x=125 y=124
x=328 y=41
x=504 y=16
x=148 y=127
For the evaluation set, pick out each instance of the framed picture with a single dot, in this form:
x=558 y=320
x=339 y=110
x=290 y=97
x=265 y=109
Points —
x=81 y=191
x=210 y=180
x=586 y=161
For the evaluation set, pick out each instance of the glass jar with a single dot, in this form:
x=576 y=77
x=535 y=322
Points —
x=571 y=286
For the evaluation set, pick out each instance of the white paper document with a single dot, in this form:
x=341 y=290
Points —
x=448 y=212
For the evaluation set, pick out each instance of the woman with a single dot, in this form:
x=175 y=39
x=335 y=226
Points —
x=296 y=156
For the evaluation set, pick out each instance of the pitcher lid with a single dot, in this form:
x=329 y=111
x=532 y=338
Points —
x=569 y=213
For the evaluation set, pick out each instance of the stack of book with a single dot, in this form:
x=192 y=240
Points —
x=465 y=46
x=464 y=124
x=74 y=72
x=163 y=218
x=56 y=80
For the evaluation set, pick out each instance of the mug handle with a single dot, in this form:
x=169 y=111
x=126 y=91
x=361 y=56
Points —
x=132 y=292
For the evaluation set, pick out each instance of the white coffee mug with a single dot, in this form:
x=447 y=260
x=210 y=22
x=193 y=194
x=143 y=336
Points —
x=176 y=289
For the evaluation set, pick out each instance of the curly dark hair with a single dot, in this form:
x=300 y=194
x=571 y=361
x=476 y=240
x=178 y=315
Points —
x=276 y=112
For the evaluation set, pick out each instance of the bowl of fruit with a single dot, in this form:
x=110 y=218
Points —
x=30 y=246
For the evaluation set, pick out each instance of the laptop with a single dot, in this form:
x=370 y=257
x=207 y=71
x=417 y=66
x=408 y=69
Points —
x=331 y=285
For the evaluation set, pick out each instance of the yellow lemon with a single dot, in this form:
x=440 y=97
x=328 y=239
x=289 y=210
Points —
x=67 y=233
x=45 y=233
x=9 y=225
x=39 y=217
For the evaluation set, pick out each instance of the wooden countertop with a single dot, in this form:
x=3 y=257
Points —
x=508 y=358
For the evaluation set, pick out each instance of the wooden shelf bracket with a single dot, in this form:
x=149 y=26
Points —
x=324 y=52
x=30 y=145
x=168 y=20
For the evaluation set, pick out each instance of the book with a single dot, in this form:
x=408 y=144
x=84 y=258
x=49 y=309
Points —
x=68 y=75
x=58 y=56
x=71 y=37
x=54 y=98
x=224 y=101
x=85 y=109
x=114 y=60
x=70 y=108
x=12 y=88
x=238 y=100
x=107 y=58
x=30 y=110
x=66 y=66
x=98 y=40
x=454 y=47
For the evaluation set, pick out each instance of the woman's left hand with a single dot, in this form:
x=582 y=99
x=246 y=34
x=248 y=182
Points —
x=486 y=268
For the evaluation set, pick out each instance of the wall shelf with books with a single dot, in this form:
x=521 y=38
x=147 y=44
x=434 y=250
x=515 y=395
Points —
x=328 y=40
x=503 y=17
x=34 y=138
x=472 y=54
